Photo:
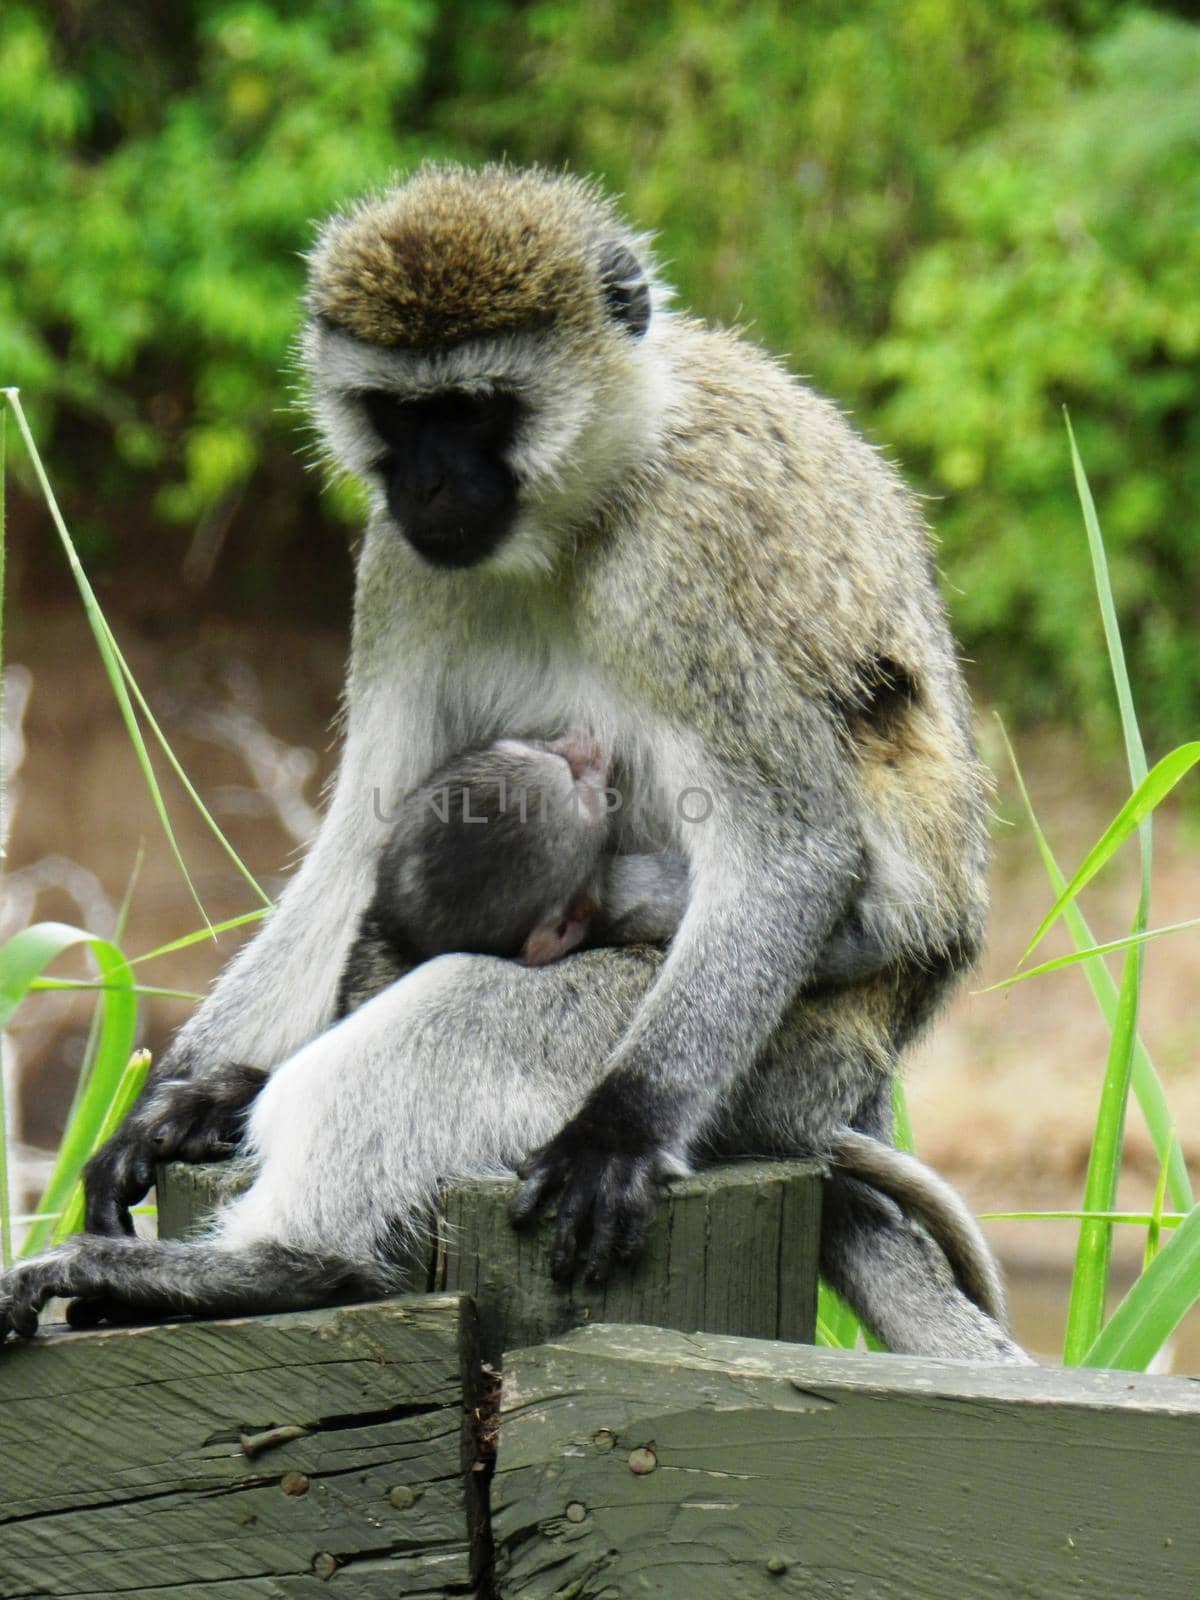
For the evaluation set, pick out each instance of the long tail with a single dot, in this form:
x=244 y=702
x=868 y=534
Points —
x=921 y=1193
x=899 y=1282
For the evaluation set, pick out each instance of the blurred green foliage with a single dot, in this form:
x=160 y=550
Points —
x=955 y=215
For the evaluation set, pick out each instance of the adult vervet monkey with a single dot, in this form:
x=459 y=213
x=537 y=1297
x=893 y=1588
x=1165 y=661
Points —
x=588 y=512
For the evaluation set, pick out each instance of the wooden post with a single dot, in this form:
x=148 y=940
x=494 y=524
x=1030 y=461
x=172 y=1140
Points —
x=732 y=1250
x=640 y=1461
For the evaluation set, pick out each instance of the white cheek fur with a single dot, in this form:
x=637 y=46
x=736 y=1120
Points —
x=575 y=443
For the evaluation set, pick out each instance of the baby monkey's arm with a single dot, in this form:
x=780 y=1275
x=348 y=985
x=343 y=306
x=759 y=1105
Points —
x=643 y=898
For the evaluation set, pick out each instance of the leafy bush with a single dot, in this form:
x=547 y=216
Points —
x=162 y=169
x=955 y=215
x=1071 y=277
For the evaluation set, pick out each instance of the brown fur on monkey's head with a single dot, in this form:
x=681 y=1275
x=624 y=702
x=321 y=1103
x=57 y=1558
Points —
x=456 y=254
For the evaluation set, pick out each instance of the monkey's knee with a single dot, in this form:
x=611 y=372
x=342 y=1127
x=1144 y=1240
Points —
x=347 y=1136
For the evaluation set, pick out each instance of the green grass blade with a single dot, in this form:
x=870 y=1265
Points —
x=837 y=1326
x=1150 y=793
x=22 y=959
x=130 y=1086
x=6 y=1218
x=901 y=1121
x=125 y=686
x=126 y=906
x=1137 y=1219
x=93 y=1037
x=1092 y=1261
x=1147 y=1085
x=1155 y=1305
x=177 y=768
x=3 y=553
x=1155 y=1226
x=103 y=638
x=27 y=1217
x=5 y=1193
x=97 y=986
x=1089 y=1285
x=1134 y=749
x=1076 y=956
x=202 y=934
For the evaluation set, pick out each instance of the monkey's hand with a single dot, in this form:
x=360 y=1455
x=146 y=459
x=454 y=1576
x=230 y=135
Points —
x=606 y=1179
x=175 y=1119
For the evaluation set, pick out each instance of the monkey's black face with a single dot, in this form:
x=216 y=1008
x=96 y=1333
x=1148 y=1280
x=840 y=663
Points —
x=445 y=471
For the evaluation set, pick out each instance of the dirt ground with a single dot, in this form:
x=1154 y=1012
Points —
x=1003 y=1092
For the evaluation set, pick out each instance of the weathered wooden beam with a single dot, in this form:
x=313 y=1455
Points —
x=635 y=1461
x=242 y=1460
x=731 y=1250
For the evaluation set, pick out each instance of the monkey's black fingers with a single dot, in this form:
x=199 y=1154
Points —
x=206 y=1149
x=204 y=1118
x=194 y=1119
x=13 y=1319
x=606 y=1195
x=605 y=1226
x=543 y=1180
x=25 y=1289
x=631 y=1234
x=573 y=1226
x=114 y=1179
x=86 y=1314
x=624 y=1208
x=20 y=1320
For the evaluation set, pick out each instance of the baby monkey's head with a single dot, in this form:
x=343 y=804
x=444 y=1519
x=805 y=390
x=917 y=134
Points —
x=498 y=853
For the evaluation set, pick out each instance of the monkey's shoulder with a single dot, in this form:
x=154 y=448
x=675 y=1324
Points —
x=764 y=508
x=758 y=471
x=743 y=427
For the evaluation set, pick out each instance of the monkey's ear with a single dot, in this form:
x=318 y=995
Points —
x=626 y=290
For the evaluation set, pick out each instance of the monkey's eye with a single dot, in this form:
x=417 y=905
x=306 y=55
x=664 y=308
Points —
x=482 y=420
x=385 y=414
x=626 y=292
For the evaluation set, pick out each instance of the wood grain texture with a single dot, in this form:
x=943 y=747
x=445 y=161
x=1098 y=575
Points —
x=187 y=1195
x=636 y=1461
x=732 y=1250
x=146 y=1461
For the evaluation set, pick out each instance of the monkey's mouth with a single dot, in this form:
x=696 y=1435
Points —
x=453 y=533
x=583 y=755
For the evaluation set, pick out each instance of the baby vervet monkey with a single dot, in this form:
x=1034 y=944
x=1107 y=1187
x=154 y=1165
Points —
x=507 y=851
x=500 y=852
